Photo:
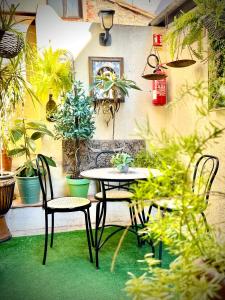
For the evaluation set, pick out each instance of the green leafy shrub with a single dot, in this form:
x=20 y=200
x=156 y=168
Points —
x=199 y=267
x=74 y=120
x=50 y=75
x=24 y=135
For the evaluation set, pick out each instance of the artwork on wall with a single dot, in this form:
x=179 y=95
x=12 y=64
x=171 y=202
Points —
x=67 y=9
x=103 y=65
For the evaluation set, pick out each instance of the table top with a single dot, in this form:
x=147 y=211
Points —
x=114 y=174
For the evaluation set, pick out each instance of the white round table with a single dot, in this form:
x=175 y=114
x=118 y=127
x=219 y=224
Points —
x=104 y=176
x=112 y=174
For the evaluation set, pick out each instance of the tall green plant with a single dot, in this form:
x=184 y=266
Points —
x=14 y=86
x=199 y=267
x=74 y=120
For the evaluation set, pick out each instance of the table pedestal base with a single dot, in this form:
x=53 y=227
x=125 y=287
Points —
x=5 y=234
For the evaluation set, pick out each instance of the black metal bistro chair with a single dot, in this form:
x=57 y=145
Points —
x=60 y=205
x=204 y=174
x=115 y=192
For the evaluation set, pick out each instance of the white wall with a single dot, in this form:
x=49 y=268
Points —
x=130 y=42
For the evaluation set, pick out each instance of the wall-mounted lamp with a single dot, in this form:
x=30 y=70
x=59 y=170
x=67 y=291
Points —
x=106 y=16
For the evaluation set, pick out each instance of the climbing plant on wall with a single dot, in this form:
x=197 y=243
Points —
x=189 y=28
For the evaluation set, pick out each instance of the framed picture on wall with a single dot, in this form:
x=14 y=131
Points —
x=67 y=9
x=101 y=65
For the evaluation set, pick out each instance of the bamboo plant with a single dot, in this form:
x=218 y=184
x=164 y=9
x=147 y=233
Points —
x=197 y=270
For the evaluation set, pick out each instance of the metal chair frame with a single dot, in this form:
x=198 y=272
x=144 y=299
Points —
x=198 y=173
x=45 y=180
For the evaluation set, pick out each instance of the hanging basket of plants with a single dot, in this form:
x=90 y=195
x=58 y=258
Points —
x=10 y=44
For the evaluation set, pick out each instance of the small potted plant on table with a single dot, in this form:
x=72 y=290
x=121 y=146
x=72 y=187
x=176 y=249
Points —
x=122 y=161
x=74 y=121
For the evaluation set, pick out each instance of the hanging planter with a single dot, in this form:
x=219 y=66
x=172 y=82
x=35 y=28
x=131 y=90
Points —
x=156 y=66
x=10 y=44
x=181 y=63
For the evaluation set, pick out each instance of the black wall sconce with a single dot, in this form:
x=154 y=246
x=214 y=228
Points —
x=106 y=16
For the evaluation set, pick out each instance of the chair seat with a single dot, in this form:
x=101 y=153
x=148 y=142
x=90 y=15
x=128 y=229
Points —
x=68 y=203
x=115 y=195
x=171 y=204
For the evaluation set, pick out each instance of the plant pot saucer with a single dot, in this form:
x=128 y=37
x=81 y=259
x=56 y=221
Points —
x=154 y=76
x=181 y=63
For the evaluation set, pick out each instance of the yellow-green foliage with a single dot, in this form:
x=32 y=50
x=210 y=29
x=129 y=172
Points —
x=49 y=75
x=183 y=232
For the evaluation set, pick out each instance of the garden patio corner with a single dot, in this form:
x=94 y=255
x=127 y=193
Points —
x=112 y=149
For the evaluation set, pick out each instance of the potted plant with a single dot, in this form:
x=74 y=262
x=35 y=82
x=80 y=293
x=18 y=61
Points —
x=188 y=27
x=113 y=89
x=198 y=268
x=121 y=161
x=25 y=134
x=13 y=87
x=11 y=41
x=51 y=76
x=74 y=121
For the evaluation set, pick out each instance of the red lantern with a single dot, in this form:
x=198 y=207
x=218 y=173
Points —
x=159 y=90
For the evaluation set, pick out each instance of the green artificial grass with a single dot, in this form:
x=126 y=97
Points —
x=68 y=273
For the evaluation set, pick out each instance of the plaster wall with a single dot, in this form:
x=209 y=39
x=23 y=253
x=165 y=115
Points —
x=133 y=43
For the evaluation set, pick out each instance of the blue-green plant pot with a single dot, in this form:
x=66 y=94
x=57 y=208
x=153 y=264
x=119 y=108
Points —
x=123 y=168
x=78 y=187
x=29 y=189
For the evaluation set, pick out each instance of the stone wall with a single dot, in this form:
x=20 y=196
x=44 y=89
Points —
x=90 y=149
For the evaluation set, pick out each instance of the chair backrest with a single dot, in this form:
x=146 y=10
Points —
x=44 y=176
x=102 y=159
x=204 y=175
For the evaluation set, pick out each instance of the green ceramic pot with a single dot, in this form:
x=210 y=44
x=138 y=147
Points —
x=78 y=187
x=29 y=188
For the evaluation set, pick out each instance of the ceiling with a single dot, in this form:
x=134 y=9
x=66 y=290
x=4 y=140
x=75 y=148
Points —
x=152 y=6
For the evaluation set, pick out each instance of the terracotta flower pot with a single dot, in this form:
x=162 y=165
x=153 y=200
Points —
x=6 y=161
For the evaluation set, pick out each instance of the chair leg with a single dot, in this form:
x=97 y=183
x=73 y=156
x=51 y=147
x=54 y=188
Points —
x=160 y=252
x=161 y=244
x=96 y=234
x=88 y=235
x=52 y=232
x=136 y=226
x=205 y=221
x=131 y=217
x=90 y=228
x=46 y=239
